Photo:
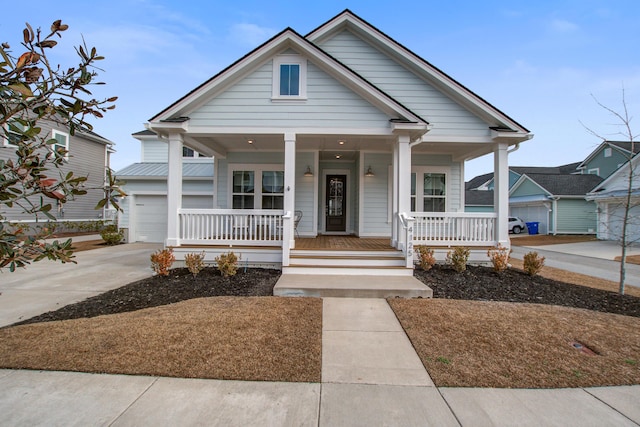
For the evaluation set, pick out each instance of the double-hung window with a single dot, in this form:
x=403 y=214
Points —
x=428 y=190
x=10 y=136
x=289 y=78
x=62 y=142
x=261 y=187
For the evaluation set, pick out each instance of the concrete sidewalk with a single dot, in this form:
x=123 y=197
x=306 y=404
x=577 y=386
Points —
x=370 y=376
x=594 y=258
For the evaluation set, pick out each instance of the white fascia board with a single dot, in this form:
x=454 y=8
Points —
x=510 y=137
x=433 y=75
x=164 y=128
x=286 y=40
x=235 y=130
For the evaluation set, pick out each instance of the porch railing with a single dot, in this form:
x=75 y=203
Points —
x=231 y=226
x=454 y=229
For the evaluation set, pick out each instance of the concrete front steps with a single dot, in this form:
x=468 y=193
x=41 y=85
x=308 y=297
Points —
x=385 y=263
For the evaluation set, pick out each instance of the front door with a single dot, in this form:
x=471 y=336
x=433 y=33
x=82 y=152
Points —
x=336 y=203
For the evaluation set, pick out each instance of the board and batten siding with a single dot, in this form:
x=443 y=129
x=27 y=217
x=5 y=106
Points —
x=447 y=117
x=248 y=103
x=576 y=216
x=86 y=158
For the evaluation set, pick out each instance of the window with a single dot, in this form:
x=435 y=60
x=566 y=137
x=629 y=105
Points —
x=10 y=136
x=428 y=191
x=243 y=189
x=260 y=188
x=607 y=152
x=189 y=153
x=62 y=142
x=272 y=190
x=289 y=78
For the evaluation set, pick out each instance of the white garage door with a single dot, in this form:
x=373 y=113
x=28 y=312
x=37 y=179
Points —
x=151 y=215
x=533 y=213
x=616 y=220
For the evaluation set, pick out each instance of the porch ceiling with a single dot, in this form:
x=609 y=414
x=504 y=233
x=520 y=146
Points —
x=330 y=145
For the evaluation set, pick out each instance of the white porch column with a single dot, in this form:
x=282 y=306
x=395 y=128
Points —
x=394 y=197
x=288 y=236
x=174 y=189
x=501 y=192
x=404 y=182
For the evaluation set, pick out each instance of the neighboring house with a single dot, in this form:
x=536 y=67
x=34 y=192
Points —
x=89 y=155
x=608 y=157
x=144 y=209
x=556 y=201
x=348 y=127
x=611 y=198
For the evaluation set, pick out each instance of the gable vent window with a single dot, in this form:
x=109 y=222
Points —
x=62 y=142
x=289 y=78
x=607 y=152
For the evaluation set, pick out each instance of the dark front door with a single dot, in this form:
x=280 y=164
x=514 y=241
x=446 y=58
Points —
x=336 y=203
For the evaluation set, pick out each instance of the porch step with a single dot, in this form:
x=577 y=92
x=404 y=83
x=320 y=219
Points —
x=355 y=259
x=340 y=285
x=347 y=270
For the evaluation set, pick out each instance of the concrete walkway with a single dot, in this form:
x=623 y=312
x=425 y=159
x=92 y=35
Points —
x=371 y=376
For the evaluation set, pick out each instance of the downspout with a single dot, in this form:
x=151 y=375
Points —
x=517 y=146
x=554 y=205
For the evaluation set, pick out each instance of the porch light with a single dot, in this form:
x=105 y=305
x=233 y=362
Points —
x=308 y=171
x=369 y=172
x=341 y=142
x=249 y=141
x=337 y=156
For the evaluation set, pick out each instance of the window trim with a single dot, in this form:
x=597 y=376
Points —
x=607 y=152
x=55 y=132
x=257 y=170
x=5 y=139
x=289 y=60
x=419 y=197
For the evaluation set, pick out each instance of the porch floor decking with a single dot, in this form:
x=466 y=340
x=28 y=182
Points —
x=343 y=243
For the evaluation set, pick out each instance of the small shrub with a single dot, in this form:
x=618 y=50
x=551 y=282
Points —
x=533 y=263
x=194 y=263
x=162 y=260
x=426 y=257
x=499 y=257
x=458 y=257
x=227 y=264
x=111 y=235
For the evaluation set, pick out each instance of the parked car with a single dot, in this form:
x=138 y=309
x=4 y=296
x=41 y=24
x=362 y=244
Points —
x=516 y=225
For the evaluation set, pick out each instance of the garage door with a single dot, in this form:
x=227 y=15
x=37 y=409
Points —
x=533 y=213
x=616 y=220
x=151 y=215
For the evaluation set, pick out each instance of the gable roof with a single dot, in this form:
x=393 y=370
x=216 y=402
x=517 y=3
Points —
x=478 y=181
x=562 y=185
x=621 y=145
x=567 y=169
x=602 y=188
x=441 y=80
x=287 y=39
x=478 y=198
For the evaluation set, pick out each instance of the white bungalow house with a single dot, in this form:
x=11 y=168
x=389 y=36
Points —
x=348 y=128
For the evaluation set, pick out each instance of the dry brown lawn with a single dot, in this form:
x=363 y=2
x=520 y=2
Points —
x=492 y=344
x=549 y=239
x=249 y=338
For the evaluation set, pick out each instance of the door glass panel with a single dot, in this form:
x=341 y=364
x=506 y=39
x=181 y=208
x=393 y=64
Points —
x=336 y=193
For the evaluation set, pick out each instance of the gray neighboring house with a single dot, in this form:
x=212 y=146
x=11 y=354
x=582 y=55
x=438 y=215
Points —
x=89 y=155
x=553 y=196
x=144 y=216
x=611 y=195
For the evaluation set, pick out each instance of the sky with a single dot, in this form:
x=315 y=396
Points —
x=544 y=63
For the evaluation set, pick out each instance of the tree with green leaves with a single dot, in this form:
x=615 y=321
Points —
x=33 y=90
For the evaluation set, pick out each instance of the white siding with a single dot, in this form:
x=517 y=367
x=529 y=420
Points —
x=155 y=152
x=248 y=103
x=305 y=191
x=447 y=117
x=375 y=195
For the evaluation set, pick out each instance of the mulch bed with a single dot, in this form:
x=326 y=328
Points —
x=483 y=284
x=155 y=291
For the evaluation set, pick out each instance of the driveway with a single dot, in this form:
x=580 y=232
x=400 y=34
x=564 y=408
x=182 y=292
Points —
x=593 y=258
x=48 y=285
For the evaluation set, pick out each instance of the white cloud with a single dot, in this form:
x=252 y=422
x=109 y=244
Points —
x=564 y=26
x=251 y=34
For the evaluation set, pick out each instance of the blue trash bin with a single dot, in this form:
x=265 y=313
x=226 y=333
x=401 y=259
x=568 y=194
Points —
x=532 y=227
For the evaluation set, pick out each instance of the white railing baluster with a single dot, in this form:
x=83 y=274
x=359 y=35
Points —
x=453 y=228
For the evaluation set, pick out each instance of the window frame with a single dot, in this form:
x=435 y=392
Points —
x=5 y=140
x=607 y=152
x=419 y=196
x=289 y=60
x=257 y=170
x=55 y=132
